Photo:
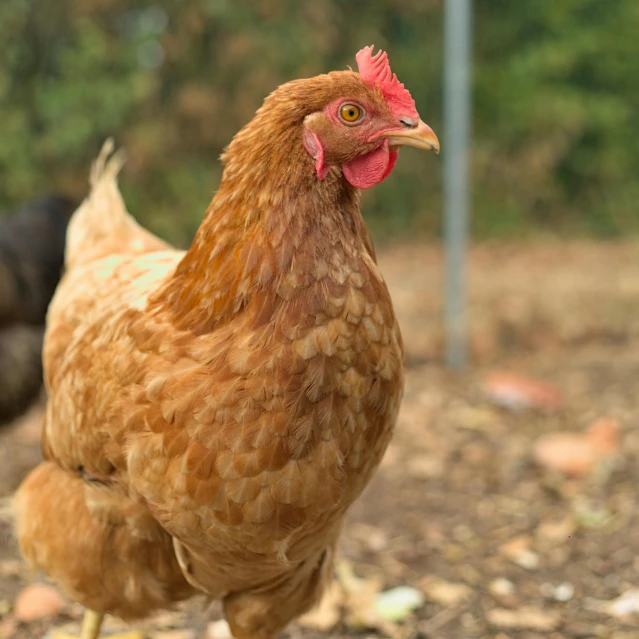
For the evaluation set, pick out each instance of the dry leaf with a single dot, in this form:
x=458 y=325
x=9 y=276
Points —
x=443 y=592
x=503 y=590
x=552 y=532
x=398 y=603
x=38 y=601
x=518 y=392
x=626 y=604
x=578 y=454
x=527 y=617
x=519 y=552
x=426 y=467
x=359 y=604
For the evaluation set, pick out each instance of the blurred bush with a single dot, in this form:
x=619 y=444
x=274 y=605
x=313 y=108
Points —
x=556 y=121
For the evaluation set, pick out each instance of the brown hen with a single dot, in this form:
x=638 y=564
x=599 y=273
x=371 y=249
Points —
x=212 y=414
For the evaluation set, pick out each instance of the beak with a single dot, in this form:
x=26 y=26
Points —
x=421 y=137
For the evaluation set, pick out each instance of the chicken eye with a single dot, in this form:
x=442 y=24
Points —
x=350 y=113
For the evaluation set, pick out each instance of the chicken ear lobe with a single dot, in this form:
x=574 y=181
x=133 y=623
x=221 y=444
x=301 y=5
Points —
x=315 y=149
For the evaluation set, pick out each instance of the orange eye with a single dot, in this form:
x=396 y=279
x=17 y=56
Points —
x=350 y=113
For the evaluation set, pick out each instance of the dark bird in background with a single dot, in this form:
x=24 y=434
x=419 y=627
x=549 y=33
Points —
x=31 y=258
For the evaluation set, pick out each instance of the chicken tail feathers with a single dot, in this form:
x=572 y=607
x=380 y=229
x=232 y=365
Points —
x=102 y=225
x=108 y=163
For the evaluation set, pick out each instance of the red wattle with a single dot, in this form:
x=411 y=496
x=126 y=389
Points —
x=370 y=169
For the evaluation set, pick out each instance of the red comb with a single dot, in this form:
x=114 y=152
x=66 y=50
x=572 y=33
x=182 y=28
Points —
x=375 y=70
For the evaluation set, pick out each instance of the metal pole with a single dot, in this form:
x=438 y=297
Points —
x=457 y=48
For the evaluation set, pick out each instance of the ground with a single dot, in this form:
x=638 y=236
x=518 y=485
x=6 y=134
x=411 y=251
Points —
x=459 y=510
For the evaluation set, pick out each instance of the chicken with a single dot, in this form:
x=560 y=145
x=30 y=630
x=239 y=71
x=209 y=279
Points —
x=213 y=414
x=31 y=258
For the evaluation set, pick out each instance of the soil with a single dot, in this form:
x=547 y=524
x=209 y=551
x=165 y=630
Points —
x=459 y=510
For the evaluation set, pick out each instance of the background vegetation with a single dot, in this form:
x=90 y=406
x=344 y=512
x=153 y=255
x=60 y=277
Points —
x=556 y=120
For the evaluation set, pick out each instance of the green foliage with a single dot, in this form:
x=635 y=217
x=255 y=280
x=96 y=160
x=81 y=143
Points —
x=556 y=118
x=555 y=143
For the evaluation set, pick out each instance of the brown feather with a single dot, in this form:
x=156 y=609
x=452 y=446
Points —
x=241 y=393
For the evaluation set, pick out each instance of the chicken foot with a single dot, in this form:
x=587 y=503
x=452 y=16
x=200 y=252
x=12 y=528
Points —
x=91 y=625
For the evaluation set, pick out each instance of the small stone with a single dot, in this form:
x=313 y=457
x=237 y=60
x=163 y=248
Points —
x=528 y=560
x=564 y=592
x=38 y=601
x=501 y=587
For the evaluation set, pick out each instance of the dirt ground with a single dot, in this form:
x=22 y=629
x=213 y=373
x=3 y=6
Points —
x=498 y=546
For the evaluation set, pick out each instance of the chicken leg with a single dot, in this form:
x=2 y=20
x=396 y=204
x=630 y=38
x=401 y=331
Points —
x=91 y=625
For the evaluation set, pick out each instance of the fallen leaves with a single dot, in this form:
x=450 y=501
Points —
x=504 y=592
x=38 y=601
x=398 y=603
x=626 y=604
x=524 y=618
x=519 y=552
x=578 y=454
x=361 y=603
x=551 y=532
x=518 y=392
